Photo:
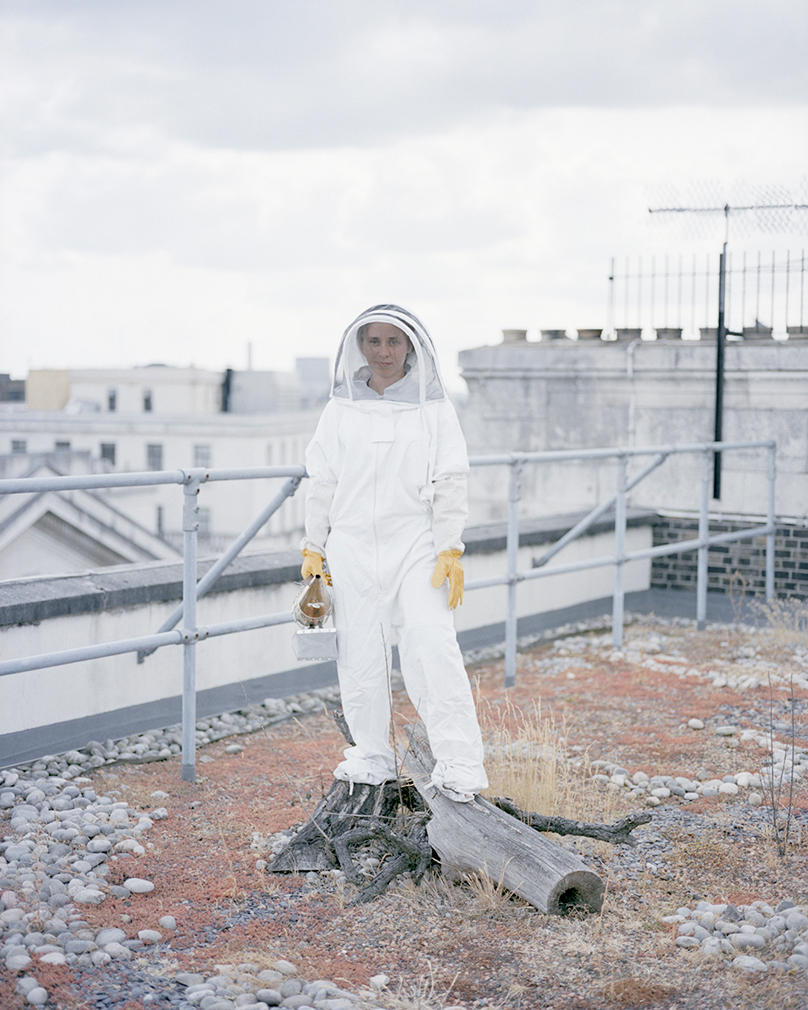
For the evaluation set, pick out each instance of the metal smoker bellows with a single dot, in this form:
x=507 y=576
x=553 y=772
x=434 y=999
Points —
x=312 y=607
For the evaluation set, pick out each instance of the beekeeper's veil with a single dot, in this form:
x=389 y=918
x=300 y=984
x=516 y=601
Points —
x=422 y=380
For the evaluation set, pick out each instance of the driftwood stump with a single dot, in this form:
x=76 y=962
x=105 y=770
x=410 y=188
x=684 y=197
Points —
x=479 y=838
x=409 y=820
x=341 y=811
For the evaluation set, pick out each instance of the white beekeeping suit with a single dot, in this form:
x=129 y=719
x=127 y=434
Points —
x=387 y=493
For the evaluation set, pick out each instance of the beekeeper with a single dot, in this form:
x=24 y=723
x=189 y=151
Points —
x=386 y=506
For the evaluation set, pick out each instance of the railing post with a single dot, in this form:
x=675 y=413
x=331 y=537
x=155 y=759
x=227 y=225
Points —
x=770 y=520
x=514 y=494
x=618 y=601
x=704 y=535
x=190 y=526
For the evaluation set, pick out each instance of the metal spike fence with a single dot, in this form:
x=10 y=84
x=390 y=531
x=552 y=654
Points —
x=677 y=296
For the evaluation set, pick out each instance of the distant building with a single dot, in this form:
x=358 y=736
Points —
x=163 y=389
x=558 y=394
x=251 y=392
x=52 y=533
x=11 y=390
x=137 y=442
x=153 y=389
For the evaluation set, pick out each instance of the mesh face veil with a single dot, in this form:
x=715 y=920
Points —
x=422 y=380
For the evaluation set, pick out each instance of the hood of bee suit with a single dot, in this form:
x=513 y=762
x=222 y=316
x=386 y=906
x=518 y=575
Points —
x=422 y=380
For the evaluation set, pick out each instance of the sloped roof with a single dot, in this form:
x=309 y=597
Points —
x=81 y=523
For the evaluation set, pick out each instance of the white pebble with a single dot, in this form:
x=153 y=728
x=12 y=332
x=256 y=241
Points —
x=37 y=997
x=53 y=957
x=18 y=962
x=138 y=886
x=695 y=724
x=285 y=968
x=749 y=963
x=88 y=896
x=167 y=922
x=380 y=981
x=755 y=799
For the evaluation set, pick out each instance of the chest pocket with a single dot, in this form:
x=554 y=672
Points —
x=412 y=465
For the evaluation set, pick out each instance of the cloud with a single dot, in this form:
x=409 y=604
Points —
x=168 y=251
x=264 y=75
x=184 y=176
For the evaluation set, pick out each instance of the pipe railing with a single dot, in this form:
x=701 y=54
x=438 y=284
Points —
x=621 y=558
x=192 y=480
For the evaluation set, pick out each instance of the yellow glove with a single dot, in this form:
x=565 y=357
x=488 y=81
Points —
x=313 y=565
x=449 y=567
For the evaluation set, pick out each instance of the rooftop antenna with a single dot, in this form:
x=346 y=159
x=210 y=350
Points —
x=768 y=210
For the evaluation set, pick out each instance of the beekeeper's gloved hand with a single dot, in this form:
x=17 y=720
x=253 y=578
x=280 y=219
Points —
x=313 y=565
x=449 y=567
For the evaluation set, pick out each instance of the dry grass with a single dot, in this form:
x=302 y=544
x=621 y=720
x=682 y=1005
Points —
x=787 y=620
x=526 y=759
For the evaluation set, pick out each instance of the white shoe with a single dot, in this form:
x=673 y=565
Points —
x=456 y=795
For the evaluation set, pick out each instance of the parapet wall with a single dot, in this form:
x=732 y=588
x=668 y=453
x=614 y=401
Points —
x=564 y=394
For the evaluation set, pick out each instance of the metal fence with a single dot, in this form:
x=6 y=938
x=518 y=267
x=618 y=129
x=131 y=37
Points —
x=192 y=480
x=765 y=294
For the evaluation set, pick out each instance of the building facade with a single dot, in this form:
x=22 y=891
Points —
x=565 y=394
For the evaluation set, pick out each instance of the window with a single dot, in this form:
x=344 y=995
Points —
x=154 y=457
x=205 y=527
x=112 y=399
x=201 y=455
x=108 y=451
x=147 y=400
x=159 y=520
x=61 y=447
x=269 y=454
x=18 y=446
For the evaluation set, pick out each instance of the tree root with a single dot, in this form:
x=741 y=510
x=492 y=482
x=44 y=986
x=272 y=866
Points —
x=618 y=833
x=413 y=853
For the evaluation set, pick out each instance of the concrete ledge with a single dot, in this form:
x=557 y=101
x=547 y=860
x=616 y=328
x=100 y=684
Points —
x=64 y=706
x=485 y=539
x=30 y=744
x=27 y=601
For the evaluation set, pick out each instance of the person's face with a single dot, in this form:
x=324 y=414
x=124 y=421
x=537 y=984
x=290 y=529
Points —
x=385 y=348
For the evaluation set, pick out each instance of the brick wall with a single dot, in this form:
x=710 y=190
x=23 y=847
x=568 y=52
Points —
x=731 y=566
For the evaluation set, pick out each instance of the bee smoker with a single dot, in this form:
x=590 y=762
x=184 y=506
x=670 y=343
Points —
x=312 y=607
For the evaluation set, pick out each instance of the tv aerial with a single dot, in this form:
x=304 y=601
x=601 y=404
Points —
x=771 y=215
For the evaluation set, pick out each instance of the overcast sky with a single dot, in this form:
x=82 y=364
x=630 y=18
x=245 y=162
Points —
x=182 y=178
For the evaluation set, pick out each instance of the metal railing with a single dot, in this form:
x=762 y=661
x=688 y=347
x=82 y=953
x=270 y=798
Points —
x=517 y=460
x=192 y=480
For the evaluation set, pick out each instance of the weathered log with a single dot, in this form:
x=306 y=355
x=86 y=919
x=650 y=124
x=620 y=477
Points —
x=478 y=838
x=618 y=833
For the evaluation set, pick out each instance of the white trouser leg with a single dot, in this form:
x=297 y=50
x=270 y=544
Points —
x=363 y=635
x=437 y=682
x=363 y=681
